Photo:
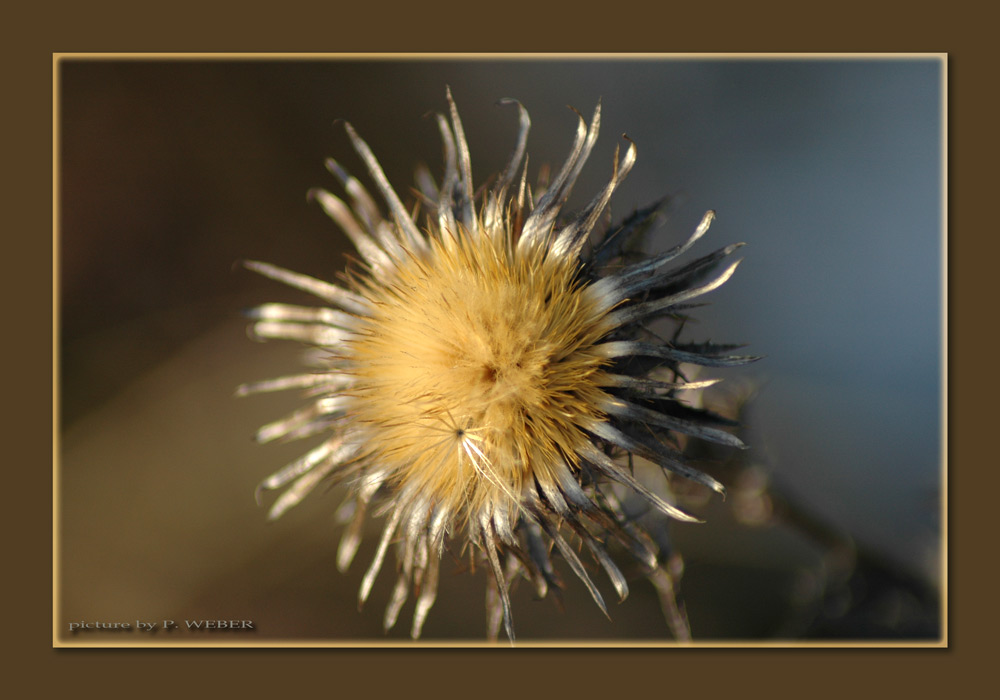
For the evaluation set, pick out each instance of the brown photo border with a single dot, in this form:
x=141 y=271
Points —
x=625 y=671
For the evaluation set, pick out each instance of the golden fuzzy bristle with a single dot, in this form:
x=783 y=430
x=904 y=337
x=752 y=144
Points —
x=484 y=378
x=474 y=370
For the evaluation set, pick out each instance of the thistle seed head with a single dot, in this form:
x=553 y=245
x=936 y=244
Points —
x=486 y=374
x=474 y=373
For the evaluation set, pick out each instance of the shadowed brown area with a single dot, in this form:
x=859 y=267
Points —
x=170 y=173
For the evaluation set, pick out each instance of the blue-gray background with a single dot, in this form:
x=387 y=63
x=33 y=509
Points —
x=830 y=171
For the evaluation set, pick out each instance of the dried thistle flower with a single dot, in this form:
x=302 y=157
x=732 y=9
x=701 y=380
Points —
x=484 y=377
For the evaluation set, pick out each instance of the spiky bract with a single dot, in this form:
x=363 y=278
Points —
x=485 y=375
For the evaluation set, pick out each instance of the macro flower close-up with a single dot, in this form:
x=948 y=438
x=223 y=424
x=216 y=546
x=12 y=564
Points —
x=481 y=350
x=487 y=371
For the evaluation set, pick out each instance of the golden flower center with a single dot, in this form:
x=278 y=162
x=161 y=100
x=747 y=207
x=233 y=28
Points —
x=475 y=372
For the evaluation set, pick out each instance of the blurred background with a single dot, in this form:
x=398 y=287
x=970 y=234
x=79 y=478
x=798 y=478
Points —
x=172 y=171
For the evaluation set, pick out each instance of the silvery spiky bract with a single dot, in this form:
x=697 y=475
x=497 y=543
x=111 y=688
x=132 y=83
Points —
x=487 y=372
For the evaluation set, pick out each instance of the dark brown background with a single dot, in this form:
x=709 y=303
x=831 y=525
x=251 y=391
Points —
x=735 y=28
x=172 y=171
